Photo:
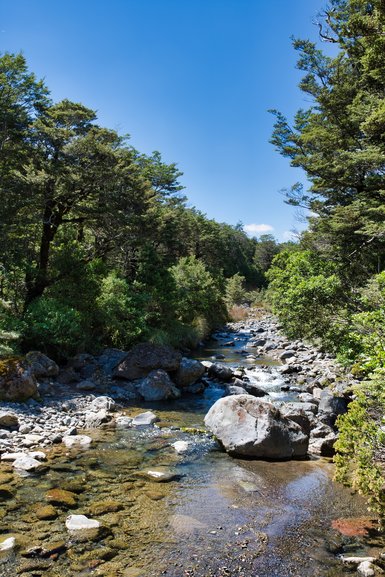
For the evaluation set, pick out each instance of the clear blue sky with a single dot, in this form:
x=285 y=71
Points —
x=191 y=78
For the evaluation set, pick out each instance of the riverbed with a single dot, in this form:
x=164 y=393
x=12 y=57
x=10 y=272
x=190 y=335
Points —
x=214 y=515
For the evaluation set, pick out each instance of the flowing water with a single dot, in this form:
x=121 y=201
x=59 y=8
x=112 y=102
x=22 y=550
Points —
x=215 y=515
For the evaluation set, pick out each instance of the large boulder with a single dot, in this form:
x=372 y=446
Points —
x=189 y=372
x=17 y=382
x=157 y=386
x=41 y=365
x=250 y=427
x=146 y=357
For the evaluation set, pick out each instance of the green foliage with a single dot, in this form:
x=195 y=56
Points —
x=235 y=290
x=54 y=328
x=121 y=313
x=304 y=291
x=360 y=458
x=197 y=293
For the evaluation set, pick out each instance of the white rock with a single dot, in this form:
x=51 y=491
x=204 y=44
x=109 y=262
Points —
x=31 y=438
x=81 y=523
x=144 y=419
x=39 y=455
x=356 y=560
x=81 y=441
x=26 y=463
x=11 y=456
x=123 y=422
x=100 y=403
x=366 y=569
x=180 y=446
x=8 y=544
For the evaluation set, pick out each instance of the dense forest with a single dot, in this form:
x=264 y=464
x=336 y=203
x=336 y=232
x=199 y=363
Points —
x=98 y=244
x=331 y=288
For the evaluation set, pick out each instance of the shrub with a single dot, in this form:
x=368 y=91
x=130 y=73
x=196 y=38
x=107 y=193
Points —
x=53 y=327
x=360 y=458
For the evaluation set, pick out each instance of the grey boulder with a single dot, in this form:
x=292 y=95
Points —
x=189 y=372
x=41 y=365
x=250 y=427
x=157 y=386
x=146 y=357
x=220 y=372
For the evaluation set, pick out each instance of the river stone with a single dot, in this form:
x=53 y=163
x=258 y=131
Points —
x=95 y=420
x=189 y=372
x=81 y=441
x=181 y=446
x=144 y=419
x=299 y=416
x=61 y=497
x=220 y=372
x=11 y=456
x=310 y=408
x=102 y=404
x=8 y=420
x=330 y=406
x=366 y=569
x=123 y=422
x=255 y=390
x=7 y=544
x=41 y=365
x=82 y=528
x=248 y=426
x=146 y=357
x=6 y=493
x=159 y=474
x=27 y=463
x=157 y=386
x=46 y=512
x=17 y=383
x=86 y=385
x=235 y=390
x=323 y=446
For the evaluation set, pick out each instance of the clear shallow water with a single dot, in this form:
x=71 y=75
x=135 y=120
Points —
x=219 y=516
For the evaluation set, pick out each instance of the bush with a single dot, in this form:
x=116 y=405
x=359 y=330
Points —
x=53 y=328
x=360 y=458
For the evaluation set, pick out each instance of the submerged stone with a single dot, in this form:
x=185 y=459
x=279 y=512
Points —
x=61 y=497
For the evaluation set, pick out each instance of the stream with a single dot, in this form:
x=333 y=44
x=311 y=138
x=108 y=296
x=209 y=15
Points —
x=216 y=515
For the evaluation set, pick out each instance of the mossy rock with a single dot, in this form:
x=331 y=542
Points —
x=62 y=498
x=46 y=512
x=103 y=507
x=17 y=382
x=6 y=493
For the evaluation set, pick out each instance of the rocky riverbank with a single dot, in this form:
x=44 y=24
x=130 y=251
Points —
x=90 y=392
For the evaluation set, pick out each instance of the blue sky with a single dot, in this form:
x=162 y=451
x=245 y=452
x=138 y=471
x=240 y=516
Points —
x=191 y=78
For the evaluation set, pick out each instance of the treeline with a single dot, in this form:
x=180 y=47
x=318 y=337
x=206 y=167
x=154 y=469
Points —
x=331 y=288
x=97 y=243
